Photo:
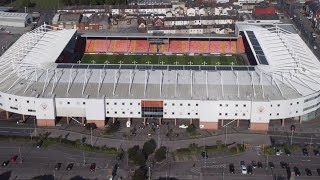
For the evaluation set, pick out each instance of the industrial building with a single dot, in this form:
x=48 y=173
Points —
x=15 y=19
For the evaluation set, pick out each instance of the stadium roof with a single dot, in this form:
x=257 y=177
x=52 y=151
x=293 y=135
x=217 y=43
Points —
x=291 y=72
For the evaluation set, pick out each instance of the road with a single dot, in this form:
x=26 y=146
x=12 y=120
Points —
x=42 y=161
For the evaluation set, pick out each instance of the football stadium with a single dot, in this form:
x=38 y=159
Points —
x=259 y=74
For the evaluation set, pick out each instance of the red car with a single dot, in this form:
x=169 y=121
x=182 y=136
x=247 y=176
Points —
x=14 y=158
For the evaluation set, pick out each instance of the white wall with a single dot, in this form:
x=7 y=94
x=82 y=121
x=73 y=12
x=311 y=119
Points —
x=186 y=109
x=71 y=107
x=45 y=108
x=116 y=107
x=95 y=109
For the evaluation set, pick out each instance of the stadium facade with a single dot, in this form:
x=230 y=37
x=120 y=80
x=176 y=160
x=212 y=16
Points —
x=285 y=83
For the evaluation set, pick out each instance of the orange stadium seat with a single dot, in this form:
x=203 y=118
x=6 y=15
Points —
x=119 y=46
x=102 y=45
x=240 y=45
x=185 y=46
x=164 y=48
x=195 y=47
x=153 y=48
x=175 y=46
x=215 y=47
x=137 y=46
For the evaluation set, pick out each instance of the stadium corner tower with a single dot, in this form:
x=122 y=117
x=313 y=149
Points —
x=283 y=83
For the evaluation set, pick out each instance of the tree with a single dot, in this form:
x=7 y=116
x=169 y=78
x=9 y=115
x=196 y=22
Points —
x=191 y=129
x=133 y=151
x=139 y=158
x=149 y=146
x=91 y=125
x=27 y=3
x=139 y=174
x=160 y=154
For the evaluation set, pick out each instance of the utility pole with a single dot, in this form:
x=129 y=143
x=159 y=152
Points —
x=91 y=136
x=291 y=137
x=84 y=159
x=149 y=174
x=310 y=142
x=35 y=127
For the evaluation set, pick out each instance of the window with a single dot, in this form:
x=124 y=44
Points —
x=226 y=114
x=296 y=111
x=15 y=99
x=270 y=114
x=236 y=114
x=165 y=104
x=165 y=112
x=9 y=98
x=244 y=105
x=220 y=114
x=271 y=105
x=68 y=102
x=188 y=104
x=13 y=108
x=220 y=105
x=27 y=101
x=83 y=103
x=115 y=112
x=123 y=112
x=130 y=104
x=278 y=105
x=138 y=104
x=188 y=113
x=123 y=104
x=107 y=112
x=196 y=104
x=180 y=104
x=31 y=110
x=290 y=104
x=236 y=105
x=297 y=102
x=172 y=113
x=107 y=103
x=139 y=112
x=172 y=104
x=196 y=113
x=115 y=103
x=131 y=112
x=277 y=114
x=244 y=114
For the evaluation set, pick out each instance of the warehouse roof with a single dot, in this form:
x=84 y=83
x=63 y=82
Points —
x=15 y=15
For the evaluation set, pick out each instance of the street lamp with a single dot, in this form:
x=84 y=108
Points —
x=91 y=136
x=293 y=128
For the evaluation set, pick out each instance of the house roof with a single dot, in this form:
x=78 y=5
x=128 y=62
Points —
x=191 y=18
x=265 y=10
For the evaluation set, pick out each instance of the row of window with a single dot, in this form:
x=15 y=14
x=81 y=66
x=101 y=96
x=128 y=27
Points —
x=236 y=105
x=236 y=114
x=123 y=112
x=165 y=104
x=17 y=100
x=115 y=103
x=181 y=104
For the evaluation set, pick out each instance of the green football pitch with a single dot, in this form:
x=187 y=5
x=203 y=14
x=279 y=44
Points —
x=161 y=59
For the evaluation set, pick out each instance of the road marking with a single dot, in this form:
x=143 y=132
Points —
x=15 y=132
x=4 y=131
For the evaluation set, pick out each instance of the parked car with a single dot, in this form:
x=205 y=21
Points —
x=278 y=152
x=204 y=155
x=5 y=163
x=283 y=164
x=305 y=152
x=318 y=171
x=39 y=144
x=287 y=151
x=57 y=166
x=231 y=168
x=254 y=164
x=183 y=126
x=115 y=169
x=249 y=170
x=316 y=152
x=14 y=158
x=242 y=163
x=271 y=165
x=243 y=170
x=296 y=171
x=308 y=172
x=70 y=166
x=93 y=167
x=120 y=156
x=259 y=164
x=21 y=121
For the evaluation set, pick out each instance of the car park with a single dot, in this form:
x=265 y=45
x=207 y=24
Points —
x=259 y=164
x=249 y=170
x=70 y=166
x=231 y=168
x=5 y=163
x=308 y=172
x=316 y=152
x=271 y=165
x=296 y=171
x=93 y=167
x=57 y=166
x=305 y=152
x=287 y=151
x=254 y=164
x=14 y=158
x=243 y=170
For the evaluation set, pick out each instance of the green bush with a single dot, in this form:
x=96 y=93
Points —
x=160 y=154
x=132 y=151
x=90 y=126
x=114 y=127
x=191 y=129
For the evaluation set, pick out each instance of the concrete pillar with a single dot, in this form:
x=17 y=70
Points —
x=238 y=123
x=82 y=120
x=113 y=120
x=145 y=121
x=23 y=117
x=191 y=121
x=175 y=121
x=300 y=119
x=68 y=120
x=222 y=123
x=282 y=122
x=160 y=121
x=7 y=114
